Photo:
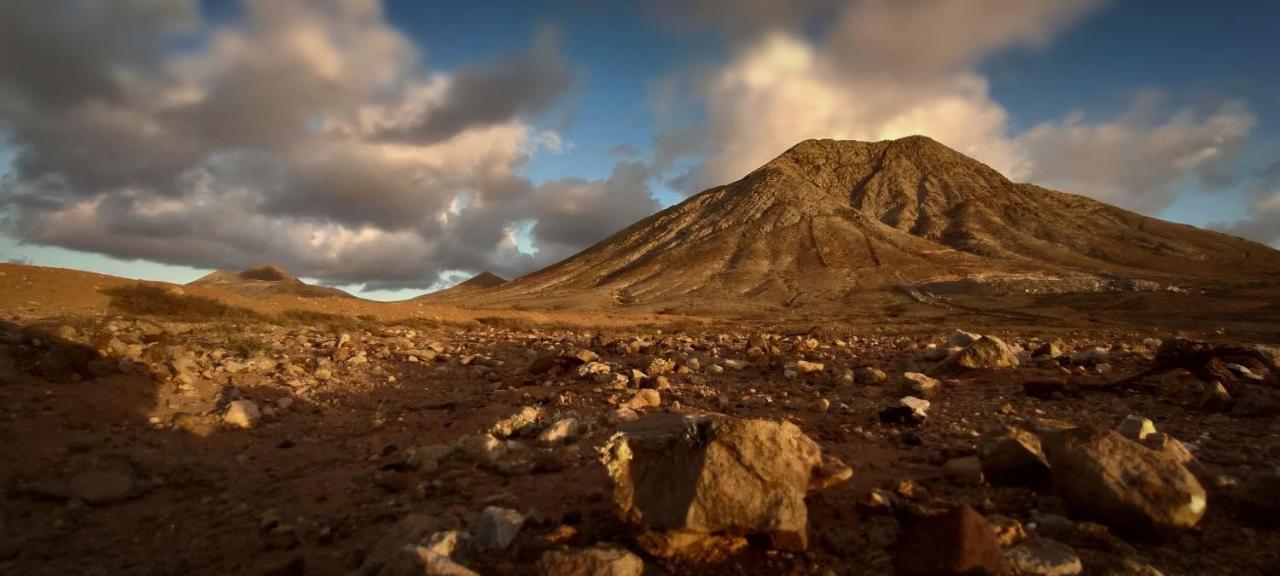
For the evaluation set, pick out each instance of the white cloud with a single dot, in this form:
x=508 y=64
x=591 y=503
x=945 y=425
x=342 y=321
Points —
x=886 y=69
x=1135 y=161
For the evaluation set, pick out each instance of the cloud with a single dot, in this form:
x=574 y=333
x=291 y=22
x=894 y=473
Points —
x=919 y=37
x=307 y=134
x=1263 y=222
x=887 y=69
x=1135 y=160
x=523 y=84
x=571 y=213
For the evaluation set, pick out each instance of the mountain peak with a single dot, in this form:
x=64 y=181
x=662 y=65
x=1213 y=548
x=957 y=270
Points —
x=834 y=221
x=267 y=273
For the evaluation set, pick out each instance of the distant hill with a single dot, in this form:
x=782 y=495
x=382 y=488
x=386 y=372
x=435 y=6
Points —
x=830 y=222
x=481 y=281
x=265 y=280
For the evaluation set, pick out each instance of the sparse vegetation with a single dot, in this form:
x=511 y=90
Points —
x=336 y=321
x=152 y=300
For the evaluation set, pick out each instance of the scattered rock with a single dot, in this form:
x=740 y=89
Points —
x=965 y=471
x=1044 y=557
x=1104 y=475
x=870 y=375
x=600 y=560
x=1013 y=456
x=985 y=352
x=713 y=474
x=959 y=541
x=521 y=423
x=960 y=339
x=1052 y=349
x=242 y=414
x=1135 y=428
x=496 y=528
x=560 y=431
x=107 y=485
x=919 y=385
x=805 y=367
x=644 y=398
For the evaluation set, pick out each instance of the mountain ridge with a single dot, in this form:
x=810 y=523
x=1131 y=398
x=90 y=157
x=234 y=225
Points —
x=828 y=219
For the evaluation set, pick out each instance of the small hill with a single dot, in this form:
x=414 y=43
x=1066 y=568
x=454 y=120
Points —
x=265 y=280
x=843 y=223
x=482 y=281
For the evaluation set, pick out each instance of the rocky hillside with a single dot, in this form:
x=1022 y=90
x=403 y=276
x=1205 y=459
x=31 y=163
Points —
x=832 y=221
x=481 y=281
x=265 y=280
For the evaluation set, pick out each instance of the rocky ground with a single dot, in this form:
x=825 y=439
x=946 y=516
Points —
x=146 y=446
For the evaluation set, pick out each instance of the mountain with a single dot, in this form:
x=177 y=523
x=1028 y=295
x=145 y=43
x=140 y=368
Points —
x=265 y=280
x=481 y=281
x=843 y=222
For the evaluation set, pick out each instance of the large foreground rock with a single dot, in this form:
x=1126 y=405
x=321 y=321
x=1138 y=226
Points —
x=1105 y=476
x=716 y=474
x=959 y=541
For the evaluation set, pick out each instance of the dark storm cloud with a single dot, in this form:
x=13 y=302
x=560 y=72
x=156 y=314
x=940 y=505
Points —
x=306 y=134
x=519 y=85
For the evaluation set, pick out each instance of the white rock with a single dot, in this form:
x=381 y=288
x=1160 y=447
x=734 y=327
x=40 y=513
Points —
x=242 y=414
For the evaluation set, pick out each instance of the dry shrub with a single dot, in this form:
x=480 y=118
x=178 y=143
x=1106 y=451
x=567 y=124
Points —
x=152 y=300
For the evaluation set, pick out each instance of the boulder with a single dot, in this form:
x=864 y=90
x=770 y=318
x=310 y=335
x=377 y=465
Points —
x=600 y=560
x=1013 y=456
x=1105 y=476
x=715 y=474
x=985 y=352
x=919 y=385
x=959 y=541
x=496 y=528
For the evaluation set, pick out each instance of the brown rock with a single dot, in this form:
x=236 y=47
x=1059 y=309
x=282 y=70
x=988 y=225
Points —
x=1104 y=476
x=711 y=474
x=596 y=561
x=959 y=541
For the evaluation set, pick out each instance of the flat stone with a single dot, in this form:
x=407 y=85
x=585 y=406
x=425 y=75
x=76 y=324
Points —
x=600 y=560
x=1044 y=557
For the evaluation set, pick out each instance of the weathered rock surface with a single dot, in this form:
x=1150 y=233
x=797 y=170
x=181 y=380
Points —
x=601 y=560
x=714 y=474
x=1104 y=476
x=985 y=352
x=1013 y=456
x=959 y=541
x=1044 y=557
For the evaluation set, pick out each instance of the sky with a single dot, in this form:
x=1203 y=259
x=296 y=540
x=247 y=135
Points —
x=395 y=147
